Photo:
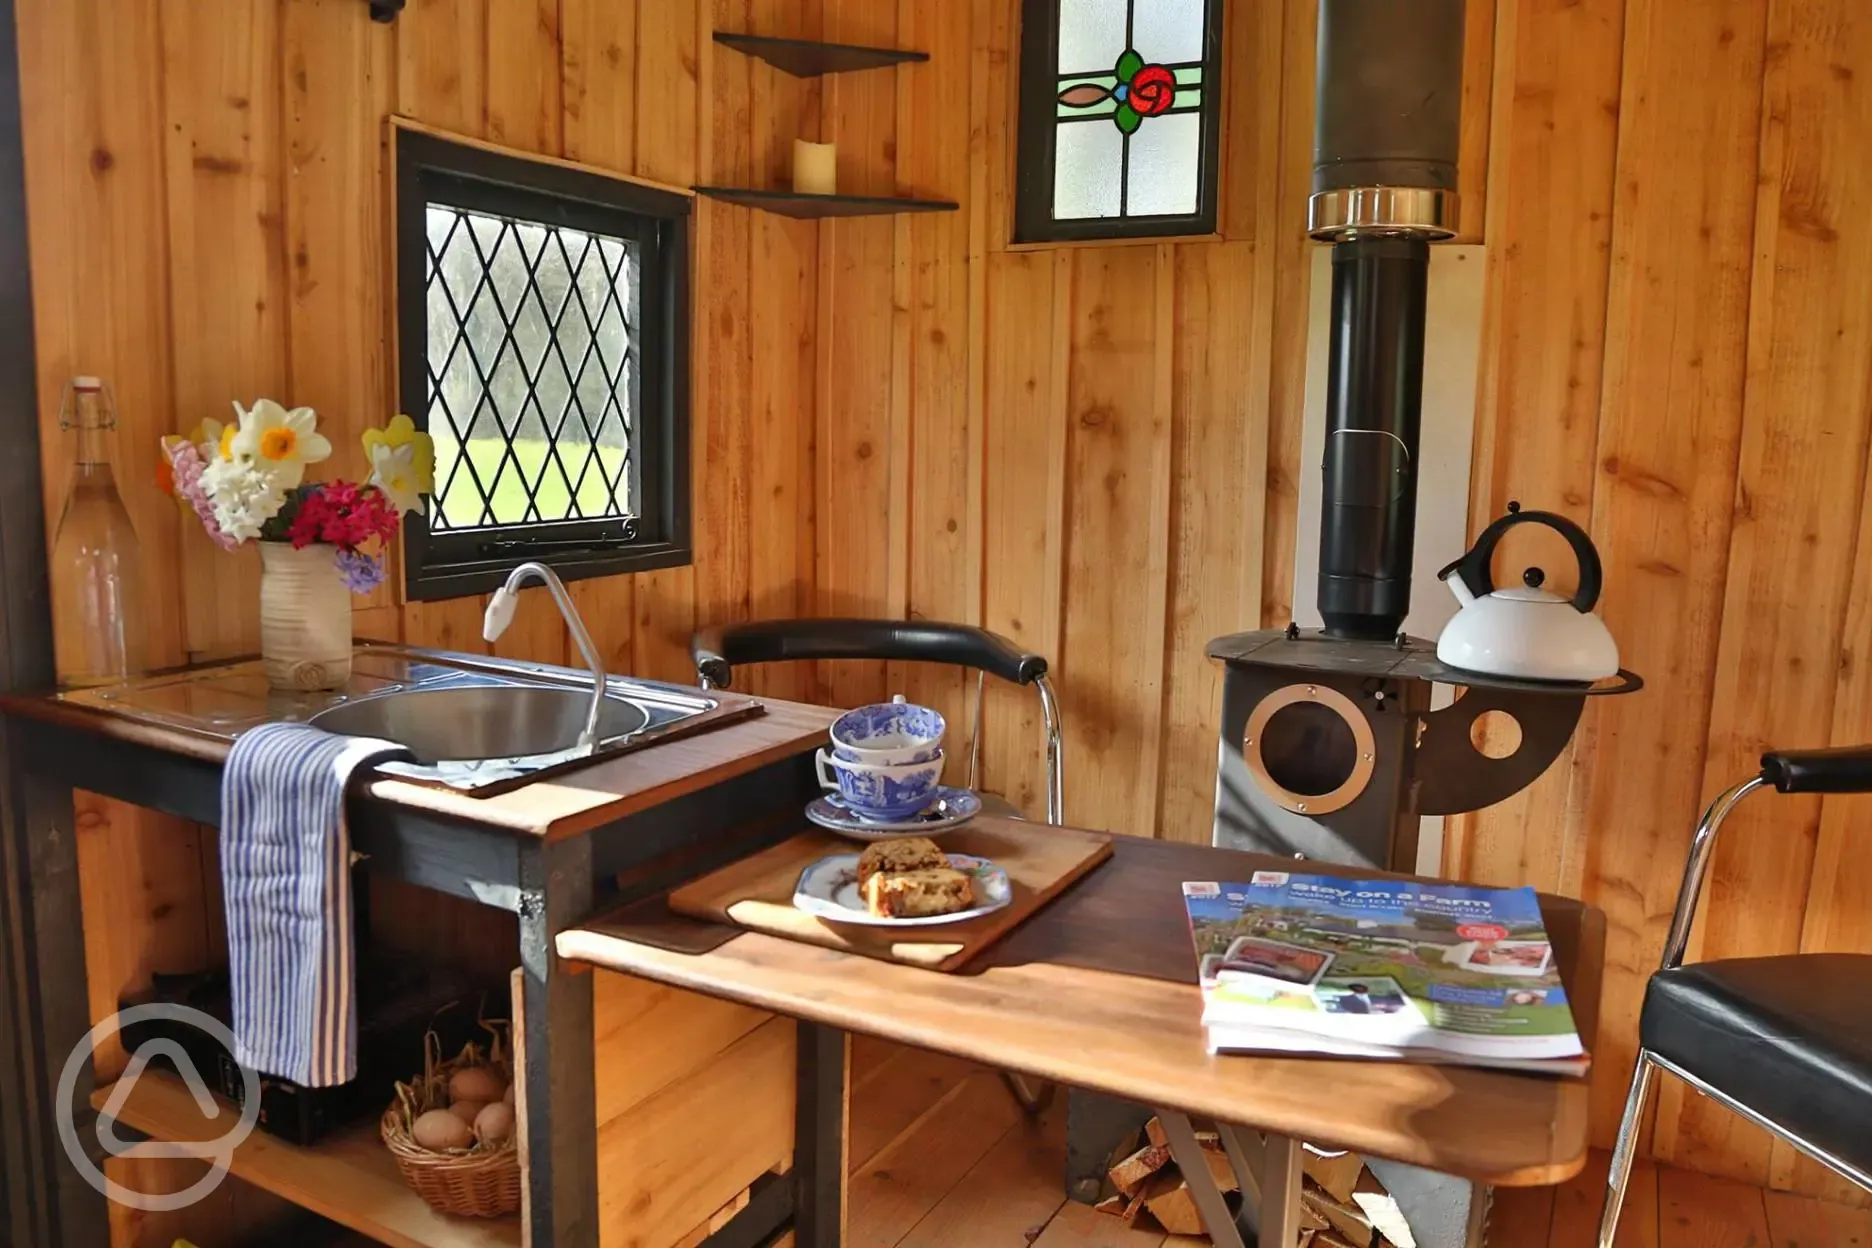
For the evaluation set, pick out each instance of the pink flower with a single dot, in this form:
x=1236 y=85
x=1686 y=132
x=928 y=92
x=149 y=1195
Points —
x=341 y=514
x=185 y=466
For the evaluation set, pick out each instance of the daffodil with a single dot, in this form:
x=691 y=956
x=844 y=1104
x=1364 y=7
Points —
x=402 y=460
x=207 y=435
x=276 y=442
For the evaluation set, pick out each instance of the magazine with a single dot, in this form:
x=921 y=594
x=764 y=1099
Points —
x=1388 y=969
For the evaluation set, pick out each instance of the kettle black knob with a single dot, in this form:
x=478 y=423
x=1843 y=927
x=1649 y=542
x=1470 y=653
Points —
x=1533 y=578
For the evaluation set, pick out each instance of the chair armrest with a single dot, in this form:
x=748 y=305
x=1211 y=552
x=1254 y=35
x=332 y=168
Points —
x=1845 y=769
x=717 y=650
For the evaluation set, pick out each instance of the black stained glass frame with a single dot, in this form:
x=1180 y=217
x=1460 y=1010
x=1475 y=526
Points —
x=655 y=223
x=1039 y=124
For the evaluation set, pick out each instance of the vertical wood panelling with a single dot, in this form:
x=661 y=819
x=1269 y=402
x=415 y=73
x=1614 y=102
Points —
x=857 y=348
x=1550 y=223
x=1118 y=449
x=442 y=52
x=1670 y=416
x=1798 y=490
x=228 y=291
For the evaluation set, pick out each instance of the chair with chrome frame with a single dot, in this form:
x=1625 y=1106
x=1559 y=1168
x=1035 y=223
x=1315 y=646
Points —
x=1784 y=1041
x=720 y=649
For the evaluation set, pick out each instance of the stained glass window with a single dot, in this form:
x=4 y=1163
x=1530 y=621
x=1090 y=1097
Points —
x=1118 y=118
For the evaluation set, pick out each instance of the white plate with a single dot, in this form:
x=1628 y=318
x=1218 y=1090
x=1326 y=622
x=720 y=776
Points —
x=830 y=812
x=829 y=890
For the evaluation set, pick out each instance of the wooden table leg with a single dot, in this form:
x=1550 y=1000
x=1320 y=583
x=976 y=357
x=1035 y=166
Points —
x=42 y=941
x=1279 y=1221
x=1224 y=1230
x=820 y=1118
x=558 y=1086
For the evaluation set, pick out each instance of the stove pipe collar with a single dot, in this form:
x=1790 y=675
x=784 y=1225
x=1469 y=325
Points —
x=1388 y=121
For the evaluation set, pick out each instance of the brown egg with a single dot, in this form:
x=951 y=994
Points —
x=475 y=1083
x=439 y=1131
x=466 y=1110
x=495 y=1123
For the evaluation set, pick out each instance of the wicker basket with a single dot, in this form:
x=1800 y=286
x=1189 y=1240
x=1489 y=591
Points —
x=482 y=1181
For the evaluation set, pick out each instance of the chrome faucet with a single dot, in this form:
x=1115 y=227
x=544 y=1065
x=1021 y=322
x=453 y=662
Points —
x=500 y=613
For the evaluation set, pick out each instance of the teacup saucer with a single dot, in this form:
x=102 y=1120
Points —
x=831 y=812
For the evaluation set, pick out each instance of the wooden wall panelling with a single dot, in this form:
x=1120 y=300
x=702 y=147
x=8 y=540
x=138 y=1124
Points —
x=1670 y=417
x=1291 y=303
x=1219 y=435
x=340 y=81
x=721 y=433
x=599 y=60
x=1117 y=503
x=1478 y=81
x=524 y=99
x=1797 y=495
x=1023 y=530
x=1555 y=137
x=442 y=61
x=673 y=42
x=782 y=284
x=857 y=349
x=943 y=468
x=228 y=288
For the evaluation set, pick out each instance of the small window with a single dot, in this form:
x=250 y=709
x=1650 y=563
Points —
x=1118 y=109
x=543 y=332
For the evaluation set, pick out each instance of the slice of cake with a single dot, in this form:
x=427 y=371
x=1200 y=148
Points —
x=918 y=894
x=911 y=853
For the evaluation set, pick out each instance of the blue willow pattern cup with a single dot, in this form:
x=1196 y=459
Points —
x=888 y=734
x=881 y=792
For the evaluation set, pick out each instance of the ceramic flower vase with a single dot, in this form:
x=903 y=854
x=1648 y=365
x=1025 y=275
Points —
x=305 y=618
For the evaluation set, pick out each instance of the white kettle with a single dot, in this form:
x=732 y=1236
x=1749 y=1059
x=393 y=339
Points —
x=1524 y=632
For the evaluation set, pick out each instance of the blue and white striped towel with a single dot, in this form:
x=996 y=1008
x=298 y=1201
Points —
x=286 y=872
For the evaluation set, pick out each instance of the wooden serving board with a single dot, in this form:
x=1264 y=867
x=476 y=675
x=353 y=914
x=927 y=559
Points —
x=757 y=892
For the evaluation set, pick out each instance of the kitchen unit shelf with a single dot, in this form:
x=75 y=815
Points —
x=809 y=58
x=348 y=1177
x=807 y=207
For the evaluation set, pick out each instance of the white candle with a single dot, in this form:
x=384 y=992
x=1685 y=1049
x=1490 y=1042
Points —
x=815 y=168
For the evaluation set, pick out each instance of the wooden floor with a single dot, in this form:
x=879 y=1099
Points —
x=942 y=1157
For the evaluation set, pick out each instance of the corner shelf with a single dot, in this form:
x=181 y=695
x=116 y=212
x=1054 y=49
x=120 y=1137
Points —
x=348 y=1177
x=806 y=207
x=809 y=58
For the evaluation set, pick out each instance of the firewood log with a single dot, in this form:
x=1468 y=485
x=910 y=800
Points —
x=1133 y=1170
x=1170 y=1201
x=1113 y=1205
x=1338 y=1175
x=1347 y=1220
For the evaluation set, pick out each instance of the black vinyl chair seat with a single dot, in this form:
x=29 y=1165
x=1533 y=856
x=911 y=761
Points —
x=1789 y=1037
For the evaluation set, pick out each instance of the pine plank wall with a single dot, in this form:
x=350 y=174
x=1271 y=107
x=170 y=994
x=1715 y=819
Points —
x=1092 y=449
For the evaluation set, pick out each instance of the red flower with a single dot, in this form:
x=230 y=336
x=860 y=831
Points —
x=1153 y=91
x=344 y=515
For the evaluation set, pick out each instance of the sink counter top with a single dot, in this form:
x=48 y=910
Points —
x=195 y=713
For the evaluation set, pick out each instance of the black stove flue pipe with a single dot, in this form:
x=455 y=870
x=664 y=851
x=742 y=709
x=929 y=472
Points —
x=1384 y=188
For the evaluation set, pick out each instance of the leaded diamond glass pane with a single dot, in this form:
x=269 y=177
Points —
x=530 y=358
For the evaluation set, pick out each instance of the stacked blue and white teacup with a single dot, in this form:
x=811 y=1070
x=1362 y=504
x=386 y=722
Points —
x=886 y=759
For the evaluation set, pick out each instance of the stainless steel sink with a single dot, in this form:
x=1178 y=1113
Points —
x=483 y=721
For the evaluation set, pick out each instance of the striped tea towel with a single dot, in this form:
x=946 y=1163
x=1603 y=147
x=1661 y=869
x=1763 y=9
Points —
x=286 y=872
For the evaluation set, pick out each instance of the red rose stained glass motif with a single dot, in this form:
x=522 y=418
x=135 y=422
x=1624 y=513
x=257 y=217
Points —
x=1153 y=91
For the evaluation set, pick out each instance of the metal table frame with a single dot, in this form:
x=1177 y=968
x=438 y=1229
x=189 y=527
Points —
x=550 y=885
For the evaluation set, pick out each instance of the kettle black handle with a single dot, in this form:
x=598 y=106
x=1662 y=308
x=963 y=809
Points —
x=1473 y=567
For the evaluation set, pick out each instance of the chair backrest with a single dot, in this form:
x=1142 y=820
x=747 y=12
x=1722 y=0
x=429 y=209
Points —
x=719 y=650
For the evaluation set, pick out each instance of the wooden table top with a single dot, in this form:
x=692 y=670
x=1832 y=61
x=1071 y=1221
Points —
x=558 y=806
x=1099 y=991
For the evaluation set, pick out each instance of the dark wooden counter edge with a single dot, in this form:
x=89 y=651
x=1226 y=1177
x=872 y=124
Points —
x=586 y=946
x=789 y=727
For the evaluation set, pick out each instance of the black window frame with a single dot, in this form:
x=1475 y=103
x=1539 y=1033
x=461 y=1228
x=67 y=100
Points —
x=1035 y=146
x=454 y=563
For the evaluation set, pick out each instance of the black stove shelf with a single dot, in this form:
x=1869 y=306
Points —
x=808 y=207
x=1310 y=650
x=810 y=58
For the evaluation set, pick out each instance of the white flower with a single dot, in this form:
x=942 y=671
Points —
x=244 y=496
x=394 y=471
x=277 y=442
